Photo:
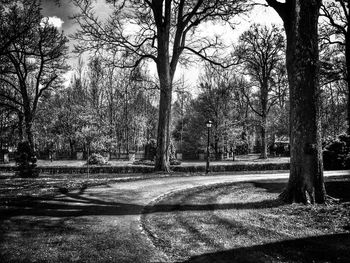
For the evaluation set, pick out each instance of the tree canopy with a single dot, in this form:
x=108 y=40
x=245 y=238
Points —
x=33 y=59
x=162 y=31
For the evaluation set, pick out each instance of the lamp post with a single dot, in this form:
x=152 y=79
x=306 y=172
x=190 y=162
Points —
x=209 y=123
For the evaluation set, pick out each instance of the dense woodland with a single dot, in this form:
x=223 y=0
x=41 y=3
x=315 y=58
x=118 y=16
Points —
x=114 y=104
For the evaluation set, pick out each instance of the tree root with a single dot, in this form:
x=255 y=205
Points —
x=331 y=200
x=287 y=197
x=303 y=196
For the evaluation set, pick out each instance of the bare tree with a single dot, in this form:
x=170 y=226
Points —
x=334 y=101
x=34 y=62
x=161 y=31
x=14 y=24
x=215 y=103
x=96 y=89
x=260 y=51
x=336 y=32
x=306 y=182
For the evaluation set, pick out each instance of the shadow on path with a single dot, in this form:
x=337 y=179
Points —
x=78 y=204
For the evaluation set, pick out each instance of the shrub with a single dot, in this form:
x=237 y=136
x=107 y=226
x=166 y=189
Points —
x=151 y=163
x=336 y=153
x=97 y=159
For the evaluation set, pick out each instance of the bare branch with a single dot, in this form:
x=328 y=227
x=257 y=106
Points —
x=207 y=58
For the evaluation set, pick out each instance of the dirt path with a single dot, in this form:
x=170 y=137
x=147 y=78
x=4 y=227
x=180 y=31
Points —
x=103 y=224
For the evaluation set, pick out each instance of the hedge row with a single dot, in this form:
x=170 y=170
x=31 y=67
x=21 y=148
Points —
x=233 y=167
x=150 y=169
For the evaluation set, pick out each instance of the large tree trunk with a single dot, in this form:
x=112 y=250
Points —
x=28 y=116
x=28 y=130
x=347 y=61
x=163 y=135
x=306 y=183
x=166 y=71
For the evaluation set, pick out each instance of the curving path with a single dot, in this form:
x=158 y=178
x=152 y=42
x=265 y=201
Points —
x=134 y=198
x=124 y=218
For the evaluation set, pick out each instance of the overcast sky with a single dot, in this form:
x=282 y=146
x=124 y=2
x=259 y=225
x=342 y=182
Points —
x=59 y=16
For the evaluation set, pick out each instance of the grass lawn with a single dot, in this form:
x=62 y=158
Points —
x=246 y=223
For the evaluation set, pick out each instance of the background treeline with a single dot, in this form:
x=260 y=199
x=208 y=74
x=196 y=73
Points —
x=102 y=109
x=114 y=111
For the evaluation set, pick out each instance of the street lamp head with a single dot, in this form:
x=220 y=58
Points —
x=209 y=123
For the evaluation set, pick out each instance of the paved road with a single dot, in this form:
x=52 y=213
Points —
x=115 y=211
x=134 y=196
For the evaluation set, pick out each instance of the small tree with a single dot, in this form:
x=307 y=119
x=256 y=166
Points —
x=335 y=31
x=219 y=101
x=215 y=103
x=35 y=60
x=261 y=50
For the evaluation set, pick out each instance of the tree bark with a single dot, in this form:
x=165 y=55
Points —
x=28 y=130
x=264 y=110
x=20 y=126
x=72 y=148
x=306 y=183
x=166 y=71
x=163 y=135
x=165 y=82
x=263 y=154
x=347 y=61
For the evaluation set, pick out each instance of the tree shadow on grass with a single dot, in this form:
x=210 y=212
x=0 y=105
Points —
x=19 y=229
x=27 y=226
x=73 y=204
x=326 y=248
x=77 y=204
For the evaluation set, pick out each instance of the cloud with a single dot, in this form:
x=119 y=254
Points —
x=55 y=21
